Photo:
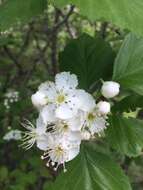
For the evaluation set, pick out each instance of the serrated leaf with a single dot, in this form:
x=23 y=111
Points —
x=13 y=11
x=128 y=67
x=125 y=135
x=92 y=171
x=123 y=13
x=90 y=58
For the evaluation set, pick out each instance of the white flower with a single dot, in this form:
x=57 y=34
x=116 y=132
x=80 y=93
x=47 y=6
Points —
x=98 y=125
x=34 y=134
x=110 y=89
x=13 y=135
x=62 y=94
x=94 y=123
x=60 y=151
x=103 y=107
x=67 y=129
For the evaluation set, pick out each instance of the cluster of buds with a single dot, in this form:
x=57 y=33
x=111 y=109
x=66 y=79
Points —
x=67 y=115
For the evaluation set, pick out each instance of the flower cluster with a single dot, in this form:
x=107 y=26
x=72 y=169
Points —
x=11 y=97
x=67 y=115
x=13 y=135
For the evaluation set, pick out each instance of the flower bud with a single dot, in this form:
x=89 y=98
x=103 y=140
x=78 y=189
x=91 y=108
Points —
x=103 y=107
x=110 y=89
x=39 y=99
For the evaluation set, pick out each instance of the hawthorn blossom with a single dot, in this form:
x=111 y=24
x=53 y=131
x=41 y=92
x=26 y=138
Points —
x=60 y=151
x=94 y=122
x=67 y=116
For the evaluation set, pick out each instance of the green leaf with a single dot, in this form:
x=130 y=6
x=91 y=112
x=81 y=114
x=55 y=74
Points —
x=129 y=103
x=123 y=13
x=125 y=135
x=13 y=11
x=92 y=171
x=89 y=58
x=128 y=67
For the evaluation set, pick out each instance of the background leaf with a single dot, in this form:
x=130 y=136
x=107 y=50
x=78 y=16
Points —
x=125 y=14
x=91 y=171
x=128 y=67
x=89 y=58
x=13 y=11
x=129 y=103
x=125 y=135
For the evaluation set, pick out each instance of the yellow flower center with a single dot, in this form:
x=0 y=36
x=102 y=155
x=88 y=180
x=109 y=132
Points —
x=60 y=99
x=65 y=127
x=59 y=151
x=91 y=117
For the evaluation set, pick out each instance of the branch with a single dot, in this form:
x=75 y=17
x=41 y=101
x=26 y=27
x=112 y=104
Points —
x=13 y=58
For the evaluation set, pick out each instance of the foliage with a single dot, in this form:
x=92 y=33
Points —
x=122 y=13
x=18 y=10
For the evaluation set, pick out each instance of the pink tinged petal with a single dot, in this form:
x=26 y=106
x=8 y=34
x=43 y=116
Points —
x=65 y=112
x=66 y=81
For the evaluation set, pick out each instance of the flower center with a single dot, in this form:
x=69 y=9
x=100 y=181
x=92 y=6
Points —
x=65 y=127
x=91 y=116
x=60 y=99
x=59 y=151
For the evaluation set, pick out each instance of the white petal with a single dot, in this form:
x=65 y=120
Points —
x=40 y=126
x=98 y=125
x=72 y=153
x=49 y=89
x=66 y=81
x=86 y=101
x=39 y=99
x=74 y=136
x=43 y=142
x=48 y=114
x=76 y=122
x=65 y=112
